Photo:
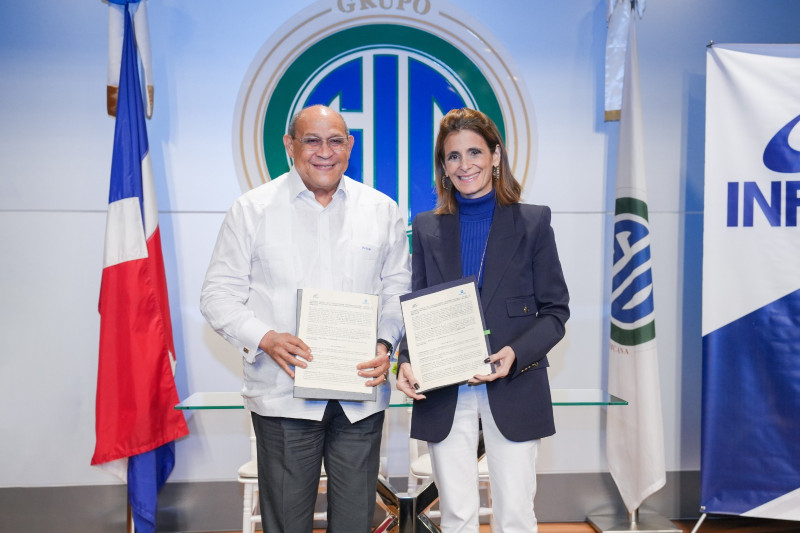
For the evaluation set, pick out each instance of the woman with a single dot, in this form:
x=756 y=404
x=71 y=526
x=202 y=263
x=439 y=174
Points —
x=479 y=228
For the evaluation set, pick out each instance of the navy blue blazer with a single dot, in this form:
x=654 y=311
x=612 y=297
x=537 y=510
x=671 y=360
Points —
x=525 y=304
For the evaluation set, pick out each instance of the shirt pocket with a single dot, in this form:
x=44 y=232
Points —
x=363 y=262
x=520 y=306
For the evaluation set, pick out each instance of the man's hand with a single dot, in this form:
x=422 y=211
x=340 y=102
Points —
x=407 y=383
x=286 y=350
x=505 y=357
x=377 y=369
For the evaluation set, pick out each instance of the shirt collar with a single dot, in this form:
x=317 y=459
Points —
x=297 y=188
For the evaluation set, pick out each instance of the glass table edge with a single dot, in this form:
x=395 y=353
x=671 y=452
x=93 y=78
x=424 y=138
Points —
x=194 y=402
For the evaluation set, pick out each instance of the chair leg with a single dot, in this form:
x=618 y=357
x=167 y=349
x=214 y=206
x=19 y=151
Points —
x=247 y=512
x=489 y=504
x=256 y=507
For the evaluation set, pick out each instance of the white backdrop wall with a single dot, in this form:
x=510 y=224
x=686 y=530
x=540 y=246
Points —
x=55 y=150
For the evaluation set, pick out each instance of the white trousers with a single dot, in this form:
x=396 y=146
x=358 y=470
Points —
x=512 y=470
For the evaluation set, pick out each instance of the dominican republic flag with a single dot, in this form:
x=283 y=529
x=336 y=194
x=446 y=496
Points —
x=635 y=433
x=135 y=416
x=750 y=451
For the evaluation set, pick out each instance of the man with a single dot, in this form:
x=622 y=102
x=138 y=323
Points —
x=311 y=227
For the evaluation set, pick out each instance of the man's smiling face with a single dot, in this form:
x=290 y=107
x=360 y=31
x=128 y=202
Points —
x=320 y=169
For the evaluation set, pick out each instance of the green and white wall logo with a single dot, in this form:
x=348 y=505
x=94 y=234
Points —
x=393 y=69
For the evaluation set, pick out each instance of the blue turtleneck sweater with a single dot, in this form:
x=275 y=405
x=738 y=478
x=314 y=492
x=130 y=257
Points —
x=475 y=215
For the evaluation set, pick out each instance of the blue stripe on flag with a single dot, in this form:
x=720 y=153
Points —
x=147 y=473
x=130 y=135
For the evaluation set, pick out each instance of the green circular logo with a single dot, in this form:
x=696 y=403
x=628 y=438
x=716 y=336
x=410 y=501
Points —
x=392 y=72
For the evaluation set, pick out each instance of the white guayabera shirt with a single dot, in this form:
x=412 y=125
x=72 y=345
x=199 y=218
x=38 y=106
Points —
x=276 y=239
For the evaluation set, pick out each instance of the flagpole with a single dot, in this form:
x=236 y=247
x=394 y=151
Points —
x=131 y=527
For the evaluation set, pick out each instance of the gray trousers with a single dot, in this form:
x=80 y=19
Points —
x=290 y=453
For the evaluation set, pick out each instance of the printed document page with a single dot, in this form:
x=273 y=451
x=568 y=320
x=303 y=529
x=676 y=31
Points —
x=341 y=330
x=446 y=335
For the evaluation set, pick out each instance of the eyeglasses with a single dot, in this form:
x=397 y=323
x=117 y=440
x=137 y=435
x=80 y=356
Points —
x=313 y=144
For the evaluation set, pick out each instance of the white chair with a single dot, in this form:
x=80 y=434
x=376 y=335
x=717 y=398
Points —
x=421 y=472
x=248 y=477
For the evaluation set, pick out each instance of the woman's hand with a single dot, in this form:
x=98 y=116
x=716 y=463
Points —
x=504 y=358
x=407 y=383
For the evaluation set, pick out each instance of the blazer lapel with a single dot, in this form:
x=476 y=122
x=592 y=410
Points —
x=446 y=247
x=503 y=242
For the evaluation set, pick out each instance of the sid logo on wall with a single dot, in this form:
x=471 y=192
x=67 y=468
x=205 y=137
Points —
x=392 y=68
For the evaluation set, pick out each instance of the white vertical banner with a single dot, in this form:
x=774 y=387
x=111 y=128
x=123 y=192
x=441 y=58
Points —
x=751 y=282
x=634 y=434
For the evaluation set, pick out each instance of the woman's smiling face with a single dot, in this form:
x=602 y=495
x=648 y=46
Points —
x=468 y=162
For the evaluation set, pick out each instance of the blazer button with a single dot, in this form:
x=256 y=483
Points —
x=525 y=309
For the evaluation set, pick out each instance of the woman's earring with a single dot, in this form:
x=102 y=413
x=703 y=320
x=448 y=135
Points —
x=496 y=173
x=445 y=182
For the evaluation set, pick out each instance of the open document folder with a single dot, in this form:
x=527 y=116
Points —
x=446 y=334
x=341 y=328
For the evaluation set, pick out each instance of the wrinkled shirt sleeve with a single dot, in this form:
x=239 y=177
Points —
x=395 y=280
x=226 y=288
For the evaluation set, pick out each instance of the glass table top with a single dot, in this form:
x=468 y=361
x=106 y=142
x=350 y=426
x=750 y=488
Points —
x=560 y=397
